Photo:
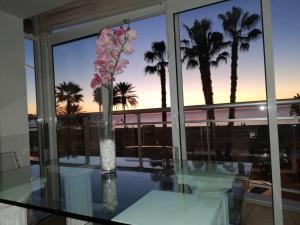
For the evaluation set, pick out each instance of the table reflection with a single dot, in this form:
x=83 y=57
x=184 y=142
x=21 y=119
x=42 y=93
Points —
x=78 y=190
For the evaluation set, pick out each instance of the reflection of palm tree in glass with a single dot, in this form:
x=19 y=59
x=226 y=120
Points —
x=124 y=95
x=295 y=108
x=69 y=93
x=158 y=55
x=240 y=27
x=165 y=179
x=203 y=51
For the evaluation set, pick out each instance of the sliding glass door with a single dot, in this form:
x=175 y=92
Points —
x=221 y=62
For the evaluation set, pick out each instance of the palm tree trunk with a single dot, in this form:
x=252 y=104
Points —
x=163 y=95
x=68 y=107
x=124 y=114
x=207 y=87
x=233 y=78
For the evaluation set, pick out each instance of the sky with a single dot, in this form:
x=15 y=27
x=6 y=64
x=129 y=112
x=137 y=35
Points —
x=74 y=61
x=30 y=77
x=78 y=58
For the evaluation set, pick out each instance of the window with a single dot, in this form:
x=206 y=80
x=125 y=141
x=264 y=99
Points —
x=139 y=127
x=31 y=101
x=223 y=75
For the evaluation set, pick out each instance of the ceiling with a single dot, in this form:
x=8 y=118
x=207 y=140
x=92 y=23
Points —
x=29 y=8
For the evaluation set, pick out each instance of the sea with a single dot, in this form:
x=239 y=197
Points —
x=257 y=115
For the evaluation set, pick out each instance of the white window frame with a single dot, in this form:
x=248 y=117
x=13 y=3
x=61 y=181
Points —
x=272 y=112
x=170 y=8
x=39 y=91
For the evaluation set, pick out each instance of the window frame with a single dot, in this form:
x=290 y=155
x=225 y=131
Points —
x=39 y=92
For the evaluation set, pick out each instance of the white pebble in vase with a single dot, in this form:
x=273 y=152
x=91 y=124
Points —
x=108 y=156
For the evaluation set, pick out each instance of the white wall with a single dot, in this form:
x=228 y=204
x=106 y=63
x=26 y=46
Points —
x=14 y=132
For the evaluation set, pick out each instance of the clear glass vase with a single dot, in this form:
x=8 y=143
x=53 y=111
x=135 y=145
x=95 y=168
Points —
x=107 y=147
x=106 y=132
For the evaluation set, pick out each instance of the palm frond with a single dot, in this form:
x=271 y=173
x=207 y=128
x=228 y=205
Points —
x=189 y=53
x=188 y=30
x=192 y=63
x=185 y=42
x=221 y=57
x=244 y=47
x=216 y=42
x=230 y=20
x=159 y=49
x=295 y=108
x=151 y=69
x=74 y=109
x=125 y=94
x=253 y=35
x=149 y=57
x=249 y=22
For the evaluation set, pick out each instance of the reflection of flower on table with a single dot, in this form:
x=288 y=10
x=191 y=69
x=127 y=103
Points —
x=109 y=192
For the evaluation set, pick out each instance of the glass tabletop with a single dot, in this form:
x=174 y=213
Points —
x=146 y=193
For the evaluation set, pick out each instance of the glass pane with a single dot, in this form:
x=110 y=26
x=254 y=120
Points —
x=285 y=26
x=31 y=101
x=77 y=131
x=248 y=75
x=222 y=60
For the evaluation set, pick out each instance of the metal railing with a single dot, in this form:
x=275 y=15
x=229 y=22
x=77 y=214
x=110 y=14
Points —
x=138 y=123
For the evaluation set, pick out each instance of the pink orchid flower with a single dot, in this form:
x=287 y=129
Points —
x=111 y=44
x=96 y=81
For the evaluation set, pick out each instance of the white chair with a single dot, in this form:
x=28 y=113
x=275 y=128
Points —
x=9 y=161
x=11 y=215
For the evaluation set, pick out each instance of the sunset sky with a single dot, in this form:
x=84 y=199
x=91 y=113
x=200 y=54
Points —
x=74 y=61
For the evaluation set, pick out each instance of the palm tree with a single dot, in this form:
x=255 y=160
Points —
x=75 y=108
x=124 y=95
x=59 y=109
x=295 y=108
x=69 y=93
x=202 y=51
x=240 y=27
x=157 y=56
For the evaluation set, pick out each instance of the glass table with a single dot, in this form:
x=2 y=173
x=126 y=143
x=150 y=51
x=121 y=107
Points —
x=188 y=192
